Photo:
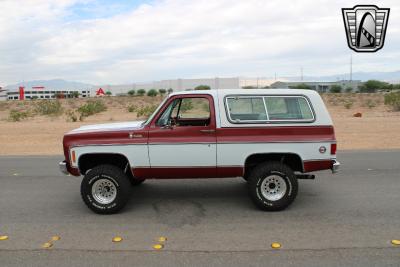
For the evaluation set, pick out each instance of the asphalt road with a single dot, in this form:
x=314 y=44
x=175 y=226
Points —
x=347 y=219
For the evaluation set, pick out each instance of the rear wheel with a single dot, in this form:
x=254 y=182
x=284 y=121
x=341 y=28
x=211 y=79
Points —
x=272 y=186
x=105 y=189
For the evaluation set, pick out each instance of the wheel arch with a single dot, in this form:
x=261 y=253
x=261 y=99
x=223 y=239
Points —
x=89 y=160
x=293 y=160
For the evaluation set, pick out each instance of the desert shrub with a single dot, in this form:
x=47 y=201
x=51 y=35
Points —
x=162 y=91
x=170 y=90
x=17 y=115
x=393 y=100
x=132 y=108
x=335 y=88
x=146 y=111
x=131 y=92
x=249 y=87
x=370 y=103
x=71 y=116
x=48 y=107
x=141 y=92
x=152 y=92
x=348 y=103
x=91 y=107
x=186 y=104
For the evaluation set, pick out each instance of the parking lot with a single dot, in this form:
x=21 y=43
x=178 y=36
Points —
x=345 y=219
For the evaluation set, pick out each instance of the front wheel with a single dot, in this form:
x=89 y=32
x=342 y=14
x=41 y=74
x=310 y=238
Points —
x=105 y=189
x=272 y=186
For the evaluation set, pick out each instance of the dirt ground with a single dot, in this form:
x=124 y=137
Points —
x=378 y=128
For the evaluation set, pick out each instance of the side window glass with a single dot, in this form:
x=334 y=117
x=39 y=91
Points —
x=165 y=118
x=246 y=109
x=288 y=108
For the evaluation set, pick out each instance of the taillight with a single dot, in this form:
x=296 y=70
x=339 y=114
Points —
x=333 y=149
x=73 y=157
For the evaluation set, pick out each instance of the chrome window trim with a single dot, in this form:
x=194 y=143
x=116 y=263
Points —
x=268 y=121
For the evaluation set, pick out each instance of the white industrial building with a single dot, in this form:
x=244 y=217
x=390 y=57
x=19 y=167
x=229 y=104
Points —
x=40 y=92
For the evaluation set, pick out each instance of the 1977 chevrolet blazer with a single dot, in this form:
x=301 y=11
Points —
x=270 y=137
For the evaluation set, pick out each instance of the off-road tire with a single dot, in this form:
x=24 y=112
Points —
x=270 y=170
x=119 y=184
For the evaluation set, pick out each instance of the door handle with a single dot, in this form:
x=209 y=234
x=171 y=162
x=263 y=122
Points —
x=208 y=131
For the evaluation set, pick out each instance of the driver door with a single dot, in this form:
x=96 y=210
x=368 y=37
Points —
x=182 y=139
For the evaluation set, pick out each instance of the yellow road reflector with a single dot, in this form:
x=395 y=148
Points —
x=56 y=238
x=162 y=239
x=158 y=246
x=117 y=239
x=276 y=245
x=3 y=237
x=396 y=242
x=47 y=245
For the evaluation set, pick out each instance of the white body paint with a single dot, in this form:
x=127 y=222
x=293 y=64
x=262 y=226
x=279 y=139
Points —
x=213 y=154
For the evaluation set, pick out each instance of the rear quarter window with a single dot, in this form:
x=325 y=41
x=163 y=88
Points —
x=268 y=109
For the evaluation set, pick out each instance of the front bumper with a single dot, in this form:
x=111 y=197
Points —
x=335 y=166
x=63 y=167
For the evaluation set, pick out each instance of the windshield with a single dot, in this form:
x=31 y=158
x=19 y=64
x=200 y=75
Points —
x=155 y=112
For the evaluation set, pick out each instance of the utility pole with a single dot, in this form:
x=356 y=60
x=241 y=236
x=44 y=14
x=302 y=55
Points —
x=301 y=73
x=351 y=67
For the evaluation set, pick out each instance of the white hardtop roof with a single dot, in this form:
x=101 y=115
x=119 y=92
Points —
x=223 y=92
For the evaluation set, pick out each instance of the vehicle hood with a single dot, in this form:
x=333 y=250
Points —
x=116 y=126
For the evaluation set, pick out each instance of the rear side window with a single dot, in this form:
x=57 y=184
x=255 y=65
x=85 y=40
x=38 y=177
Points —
x=247 y=109
x=254 y=109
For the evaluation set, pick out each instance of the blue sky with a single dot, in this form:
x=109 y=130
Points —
x=115 y=42
x=99 y=9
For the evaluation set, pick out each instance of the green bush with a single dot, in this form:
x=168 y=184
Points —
x=202 y=87
x=109 y=93
x=300 y=86
x=348 y=89
x=335 y=88
x=162 y=91
x=16 y=115
x=141 y=92
x=48 y=107
x=170 y=90
x=393 y=100
x=131 y=92
x=146 y=111
x=371 y=86
x=91 y=107
x=152 y=92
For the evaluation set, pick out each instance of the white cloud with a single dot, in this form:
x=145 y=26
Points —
x=179 y=38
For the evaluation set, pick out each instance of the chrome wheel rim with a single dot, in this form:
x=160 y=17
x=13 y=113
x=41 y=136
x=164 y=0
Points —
x=273 y=187
x=104 y=191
